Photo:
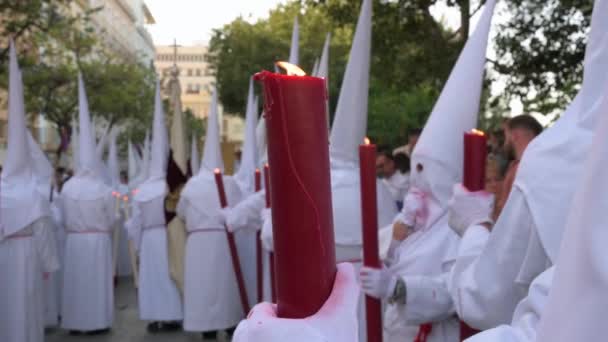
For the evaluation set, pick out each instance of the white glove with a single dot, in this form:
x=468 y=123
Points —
x=467 y=208
x=377 y=282
x=336 y=321
x=229 y=218
x=266 y=235
x=413 y=213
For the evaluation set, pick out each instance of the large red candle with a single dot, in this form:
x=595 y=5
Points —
x=475 y=154
x=300 y=189
x=369 y=212
x=234 y=255
x=273 y=289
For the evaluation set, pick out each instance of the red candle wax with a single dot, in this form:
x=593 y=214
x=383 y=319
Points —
x=273 y=289
x=369 y=212
x=236 y=265
x=475 y=154
x=300 y=190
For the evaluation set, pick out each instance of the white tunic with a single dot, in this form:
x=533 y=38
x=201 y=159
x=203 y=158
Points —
x=23 y=259
x=159 y=298
x=494 y=271
x=123 y=267
x=54 y=282
x=88 y=289
x=398 y=184
x=423 y=260
x=527 y=315
x=211 y=296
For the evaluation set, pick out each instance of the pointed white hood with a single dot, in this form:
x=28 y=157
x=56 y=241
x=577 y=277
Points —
x=132 y=164
x=74 y=147
x=315 y=67
x=155 y=184
x=159 y=148
x=441 y=146
x=113 y=167
x=553 y=162
x=20 y=204
x=350 y=123
x=195 y=163
x=245 y=176
x=261 y=138
x=294 y=51
x=212 y=154
x=43 y=169
x=323 y=67
x=88 y=156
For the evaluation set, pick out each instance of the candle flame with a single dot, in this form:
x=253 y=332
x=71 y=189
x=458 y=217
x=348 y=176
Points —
x=291 y=69
x=125 y=198
x=366 y=141
x=477 y=132
x=217 y=171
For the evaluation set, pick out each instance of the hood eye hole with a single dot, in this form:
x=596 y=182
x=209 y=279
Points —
x=419 y=167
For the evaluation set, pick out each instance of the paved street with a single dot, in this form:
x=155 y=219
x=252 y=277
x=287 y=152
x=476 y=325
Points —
x=127 y=327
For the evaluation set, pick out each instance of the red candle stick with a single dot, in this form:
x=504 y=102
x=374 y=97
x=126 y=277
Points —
x=273 y=290
x=369 y=212
x=475 y=154
x=236 y=265
x=258 y=245
x=300 y=190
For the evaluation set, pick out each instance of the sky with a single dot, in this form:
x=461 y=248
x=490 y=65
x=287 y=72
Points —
x=191 y=21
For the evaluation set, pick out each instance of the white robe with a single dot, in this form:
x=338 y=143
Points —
x=159 y=298
x=54 y=282
x=527 y=315
x=123 y=267
x=493 y=271
x=211 y=295
x=22 y=263
x=88 y=288
x=423 y=261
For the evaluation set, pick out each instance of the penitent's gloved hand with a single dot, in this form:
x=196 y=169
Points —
x=467 y=208
x=336 y=321
x=266 y=235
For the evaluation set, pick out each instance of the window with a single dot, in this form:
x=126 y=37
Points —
x=198 y=72
x=189 y=72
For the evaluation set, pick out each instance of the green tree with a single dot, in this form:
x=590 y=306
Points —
x=541 y=48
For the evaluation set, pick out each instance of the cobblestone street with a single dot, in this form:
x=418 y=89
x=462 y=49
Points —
x=127 y=327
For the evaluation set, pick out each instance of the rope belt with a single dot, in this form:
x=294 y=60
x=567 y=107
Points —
x=206 y=230
x=155 y=226
x=88 y=231
x=19 y=236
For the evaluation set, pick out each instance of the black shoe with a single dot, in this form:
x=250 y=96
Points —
x=170 y=326
x=153 y=327
x=98 y=332
x=210 y=335
x=75 y=332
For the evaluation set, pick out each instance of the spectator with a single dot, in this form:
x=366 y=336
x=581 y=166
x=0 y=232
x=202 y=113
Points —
x=396 y=182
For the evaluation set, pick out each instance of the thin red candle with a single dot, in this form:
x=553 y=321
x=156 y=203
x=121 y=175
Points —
x=300 y=189
x=369 y=215
x=258 y=246
x=273 y=288
x=475 y=154
x=234 y=255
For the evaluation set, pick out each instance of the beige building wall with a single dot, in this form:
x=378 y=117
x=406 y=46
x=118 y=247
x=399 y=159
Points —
x=194 y=78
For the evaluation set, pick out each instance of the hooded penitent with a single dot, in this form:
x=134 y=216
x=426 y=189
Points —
x=132 y=164
x=553 y=162
x=323 y=67
x=212 y=155
x=348 y=132
x=74 y=146
x=245 y=176
x=21 y=204
x=437 y=160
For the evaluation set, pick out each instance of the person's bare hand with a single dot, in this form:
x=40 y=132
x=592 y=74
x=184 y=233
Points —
x=400 y=231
